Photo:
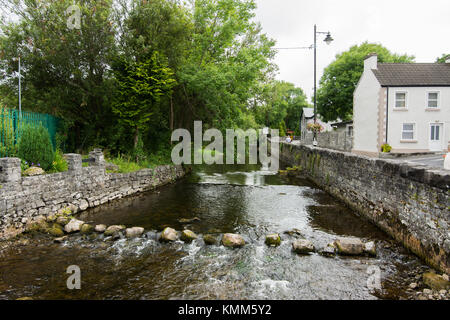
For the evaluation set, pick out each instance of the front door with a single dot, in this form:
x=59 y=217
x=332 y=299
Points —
x=436 y=137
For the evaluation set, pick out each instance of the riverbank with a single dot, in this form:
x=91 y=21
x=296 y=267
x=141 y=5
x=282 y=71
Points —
x=23 y=199
x=409 y=202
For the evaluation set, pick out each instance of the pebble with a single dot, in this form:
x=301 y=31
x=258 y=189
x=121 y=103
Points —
x=413 y=285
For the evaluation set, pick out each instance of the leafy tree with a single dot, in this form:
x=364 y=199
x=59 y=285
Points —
x=335 y=95
x=140 y=86
x=443 y=58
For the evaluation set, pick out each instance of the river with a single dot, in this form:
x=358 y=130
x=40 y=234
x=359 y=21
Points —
x=240 y=199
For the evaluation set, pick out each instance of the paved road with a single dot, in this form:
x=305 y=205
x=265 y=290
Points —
x=435 y=160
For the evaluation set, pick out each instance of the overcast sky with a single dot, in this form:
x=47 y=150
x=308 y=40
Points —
x=419 y=28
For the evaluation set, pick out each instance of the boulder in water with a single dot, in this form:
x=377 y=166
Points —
x=188 y=236
x=134 y=232
x=114 y=230
x=74 y=225
x=56 y=230
x=349 y=246
x=370 y=248
x=86 y=228
x=168 y=235
x=100 y=228
x=302 y=246
x=209 y=239
x=273 y=240
x=62 y=220
x=232 y=240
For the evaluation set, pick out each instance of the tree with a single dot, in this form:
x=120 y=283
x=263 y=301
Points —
x=335 y=94
x=443 y=58
x=140 y=87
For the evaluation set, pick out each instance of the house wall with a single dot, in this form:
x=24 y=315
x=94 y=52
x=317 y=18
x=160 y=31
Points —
x=416 y=112
x=365 y=114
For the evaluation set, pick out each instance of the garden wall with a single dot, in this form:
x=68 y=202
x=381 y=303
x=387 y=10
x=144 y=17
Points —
x=337 y=140
x=409 y=202
x=79 y=188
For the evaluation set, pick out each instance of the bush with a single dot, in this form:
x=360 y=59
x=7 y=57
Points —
x=35 y=147
x=59 y=164
x=386 y=148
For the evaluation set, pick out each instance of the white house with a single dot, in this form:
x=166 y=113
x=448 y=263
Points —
x=406 y=105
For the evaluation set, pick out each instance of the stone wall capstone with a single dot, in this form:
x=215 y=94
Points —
x=409 y=202
x=24 y=198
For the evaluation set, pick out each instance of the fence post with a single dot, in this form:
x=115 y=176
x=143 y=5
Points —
x=10 y=170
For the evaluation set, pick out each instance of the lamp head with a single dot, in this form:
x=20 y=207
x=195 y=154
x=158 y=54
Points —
x=328 y=39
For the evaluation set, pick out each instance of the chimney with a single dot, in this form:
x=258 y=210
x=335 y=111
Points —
x=371 y=61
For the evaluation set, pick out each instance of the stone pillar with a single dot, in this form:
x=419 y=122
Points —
x=97 y=156
x=10 y=170
x=73 y=162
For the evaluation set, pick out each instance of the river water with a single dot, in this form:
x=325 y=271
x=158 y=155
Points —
x=240 y=199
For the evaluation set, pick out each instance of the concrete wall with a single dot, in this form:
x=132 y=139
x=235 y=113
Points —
x=79 y=188
x=417 y=112
x=337 y=140
x=366 y=113
x=411 y=203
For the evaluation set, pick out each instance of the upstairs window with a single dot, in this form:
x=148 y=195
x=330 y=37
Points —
x=400 y=99
x=408 y=131
x=433 y=100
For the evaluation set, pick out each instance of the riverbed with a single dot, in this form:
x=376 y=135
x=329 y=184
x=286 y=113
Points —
x=247 y=200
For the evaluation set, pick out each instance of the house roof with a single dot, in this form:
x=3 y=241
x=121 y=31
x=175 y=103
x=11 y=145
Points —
x=341 y=123
x=308 y=112
x=413 y=74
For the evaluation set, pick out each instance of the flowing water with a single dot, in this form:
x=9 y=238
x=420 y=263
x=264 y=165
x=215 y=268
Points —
x=240 y=199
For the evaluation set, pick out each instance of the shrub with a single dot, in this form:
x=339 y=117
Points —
x=386 y=148
x=35 y=146
x=59 y=164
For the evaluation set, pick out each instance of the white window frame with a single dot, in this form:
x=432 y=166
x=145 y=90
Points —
x=414 y=131
x=406 y=100
x=427 y=100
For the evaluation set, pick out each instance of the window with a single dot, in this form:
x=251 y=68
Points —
x=350 y=131
x=408 y=132
x=400 y=99
x=433 y=100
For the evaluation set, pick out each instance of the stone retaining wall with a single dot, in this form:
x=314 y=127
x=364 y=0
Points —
x=337 y=140
x=79 y=188
x=410 y=202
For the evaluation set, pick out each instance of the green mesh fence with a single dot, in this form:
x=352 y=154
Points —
x=11 y=122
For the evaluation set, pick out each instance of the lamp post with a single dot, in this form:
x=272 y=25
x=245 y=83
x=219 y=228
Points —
x=20 y=88
x=327 y=40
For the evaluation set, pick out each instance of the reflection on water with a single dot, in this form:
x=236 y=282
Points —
x=245 y=200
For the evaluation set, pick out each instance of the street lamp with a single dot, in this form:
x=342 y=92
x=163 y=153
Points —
x=20 y=88
x=327 y=40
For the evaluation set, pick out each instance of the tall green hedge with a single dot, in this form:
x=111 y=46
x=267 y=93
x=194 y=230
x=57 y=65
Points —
x=35 y=147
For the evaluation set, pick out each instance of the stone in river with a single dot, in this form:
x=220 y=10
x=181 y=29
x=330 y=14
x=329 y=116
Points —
x=209 y=239
x=168 y=235
x=273 y=240
x=184 y=220
x=114 y=230
x=349 y=246
x=188 y=236
x=134 y=232
x=302 y=246
x=74 y=225
x=232 y=240
x=370 y=248
x=100 y=228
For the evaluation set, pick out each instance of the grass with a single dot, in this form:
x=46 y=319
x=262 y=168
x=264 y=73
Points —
x=127 y=163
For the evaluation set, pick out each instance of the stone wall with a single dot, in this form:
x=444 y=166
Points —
x=79 y=188
x=337 y=140
x=409 y=202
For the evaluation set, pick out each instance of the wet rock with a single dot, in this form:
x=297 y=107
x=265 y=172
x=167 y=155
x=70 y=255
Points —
x=273 y=240
x=445 y=277
x=51 y=218
x=56 y=230
x=184 y=220
x=60 y=239
x=114 y=230
x=293 y=233
x=152 y=235
x=232 y=240
x=427 y=291
x=188 y=236
x=370 y=248
x=328 y=251
x=413 y=285
x=100 y=228
x=33 y=171
x=302 y=246
x=209 y=239
x=62 y=220
x=134 y=232
x=168 y=235
x=435 y=281
x=74 y=225
x=25 y=298
x=86 y=228
x=349 y=246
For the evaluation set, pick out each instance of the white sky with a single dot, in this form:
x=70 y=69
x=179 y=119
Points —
x=416 y=27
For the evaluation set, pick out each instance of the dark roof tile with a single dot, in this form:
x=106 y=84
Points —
x=413 y=74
